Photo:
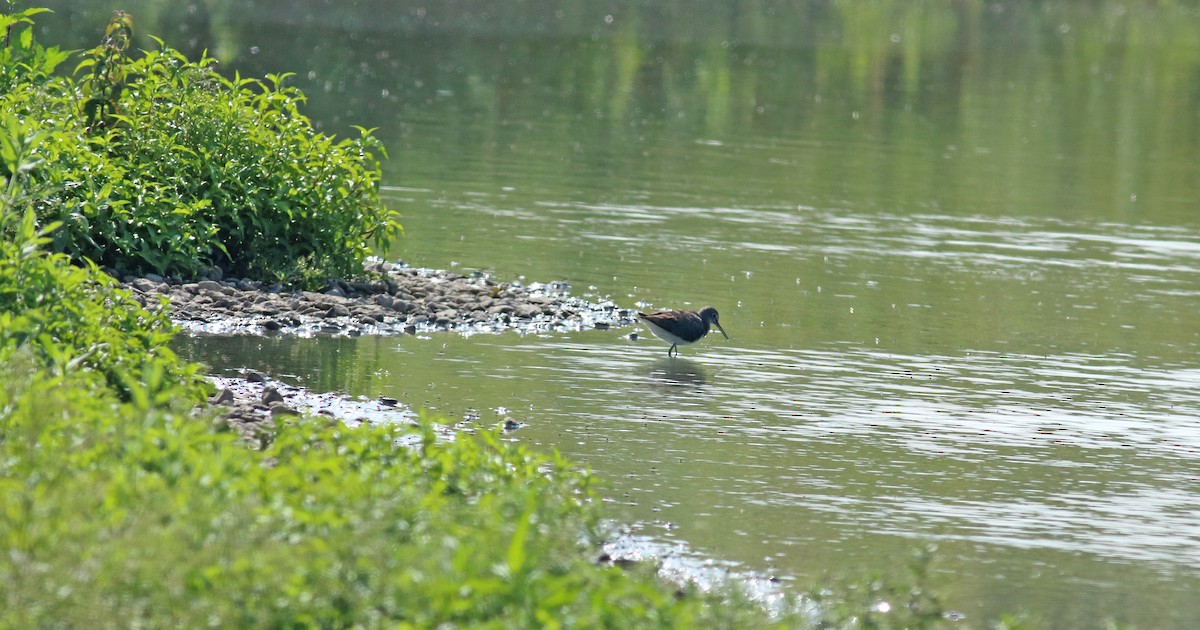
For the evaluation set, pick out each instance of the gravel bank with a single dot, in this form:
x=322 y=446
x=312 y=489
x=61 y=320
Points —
x=403 y=300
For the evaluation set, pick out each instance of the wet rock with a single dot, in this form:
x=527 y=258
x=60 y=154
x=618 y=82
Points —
x=254 y=376
x=271 y=395
x=281 y=408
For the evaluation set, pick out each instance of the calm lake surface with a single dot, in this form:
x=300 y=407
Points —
x=956 y=247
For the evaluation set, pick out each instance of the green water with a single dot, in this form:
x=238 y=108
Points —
x=956 y=246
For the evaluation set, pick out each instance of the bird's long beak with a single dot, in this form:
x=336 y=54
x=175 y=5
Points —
x=721 y=329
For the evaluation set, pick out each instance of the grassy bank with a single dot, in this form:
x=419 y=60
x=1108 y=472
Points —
x=122 y=516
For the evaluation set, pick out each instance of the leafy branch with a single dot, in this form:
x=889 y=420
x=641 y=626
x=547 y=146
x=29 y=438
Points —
x=108 y=60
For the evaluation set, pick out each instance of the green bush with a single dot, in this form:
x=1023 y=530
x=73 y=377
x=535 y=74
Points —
x=73 y=319
x=189 y=170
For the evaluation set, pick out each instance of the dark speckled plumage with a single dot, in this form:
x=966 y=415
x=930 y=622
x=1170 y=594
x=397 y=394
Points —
x=681 y=328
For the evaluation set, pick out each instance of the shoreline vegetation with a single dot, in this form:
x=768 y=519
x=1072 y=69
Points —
x=129 y=502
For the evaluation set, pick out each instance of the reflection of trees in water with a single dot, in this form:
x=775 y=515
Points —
x=868 y=47
x=1113 y=82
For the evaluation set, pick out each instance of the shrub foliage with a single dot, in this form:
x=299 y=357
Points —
x=160 y=164
x=117 y=517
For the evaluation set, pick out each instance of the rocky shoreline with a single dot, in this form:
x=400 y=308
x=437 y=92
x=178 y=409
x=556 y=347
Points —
x=251 y=404
x=398 y=300
x=401 y=300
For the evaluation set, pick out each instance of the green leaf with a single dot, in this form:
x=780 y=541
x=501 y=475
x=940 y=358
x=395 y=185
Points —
x=516 y=548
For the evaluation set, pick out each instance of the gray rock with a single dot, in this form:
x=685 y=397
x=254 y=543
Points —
x=145 y=285
x=223 y=397
x=280 y=408
x=271 y=395
x=208 y=285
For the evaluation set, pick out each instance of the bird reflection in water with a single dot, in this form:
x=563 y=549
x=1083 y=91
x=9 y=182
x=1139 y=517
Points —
x=678 y=372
